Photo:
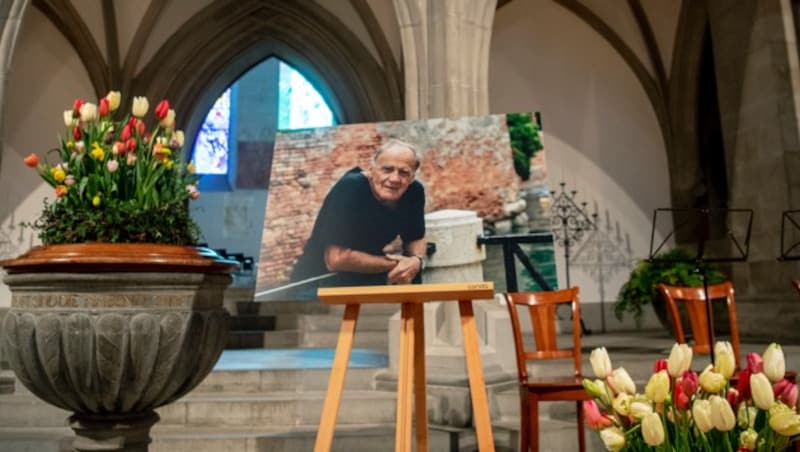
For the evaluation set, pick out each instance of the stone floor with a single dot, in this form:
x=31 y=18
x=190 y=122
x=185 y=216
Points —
x=269 y=400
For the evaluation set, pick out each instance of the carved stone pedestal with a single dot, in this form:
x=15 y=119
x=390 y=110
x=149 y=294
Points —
x=111 y=332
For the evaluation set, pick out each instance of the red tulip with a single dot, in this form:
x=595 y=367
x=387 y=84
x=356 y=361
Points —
x=131 y=144
x=755 y=364
x=140 y=127
x=76 y=133
x=681 y=399
x=162 y=109
x=61 y=190
x=126 y=133
x=591 y=412
x=786 y=392
x=32 y=160
x=660 y=365
x=743 y=385
x=102 y=108
x=76 y=107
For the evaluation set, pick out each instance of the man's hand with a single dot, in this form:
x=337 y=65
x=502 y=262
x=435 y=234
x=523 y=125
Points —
x=406 y=269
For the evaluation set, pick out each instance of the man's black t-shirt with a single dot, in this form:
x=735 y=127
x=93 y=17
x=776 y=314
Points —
x=351 y=217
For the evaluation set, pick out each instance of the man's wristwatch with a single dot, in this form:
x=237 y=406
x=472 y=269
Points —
x=421 y=261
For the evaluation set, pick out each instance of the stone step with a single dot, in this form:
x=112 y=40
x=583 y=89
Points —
x=276 y=409
x=331 y=322
x=555 y=435
x=299 y=380
x=22 y=409
x=375 y=340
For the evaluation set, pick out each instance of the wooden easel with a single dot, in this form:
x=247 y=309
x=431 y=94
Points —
x=411 y=368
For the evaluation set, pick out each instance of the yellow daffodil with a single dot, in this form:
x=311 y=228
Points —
x=97 y=152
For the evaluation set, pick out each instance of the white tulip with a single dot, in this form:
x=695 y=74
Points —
x=774 y=363
x=601 y=362
x=168 y=120
x=701 y=414
x=140 y=106
x=620 y=381
x=652 y=430
x=113 y=98
x=88 y=112
x=761 y=389
x=722 y=414
x=680 y=359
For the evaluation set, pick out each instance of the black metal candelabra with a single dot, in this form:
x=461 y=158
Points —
x=569 y=222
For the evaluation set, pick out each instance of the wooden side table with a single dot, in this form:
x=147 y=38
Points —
x=411 y=366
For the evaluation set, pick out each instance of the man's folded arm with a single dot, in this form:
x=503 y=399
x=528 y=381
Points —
x=341 y=259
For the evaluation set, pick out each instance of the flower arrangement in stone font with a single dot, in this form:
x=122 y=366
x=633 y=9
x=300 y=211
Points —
x=115 y=179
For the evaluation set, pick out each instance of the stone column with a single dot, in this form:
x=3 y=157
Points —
x=446 y=56
x=758 y=85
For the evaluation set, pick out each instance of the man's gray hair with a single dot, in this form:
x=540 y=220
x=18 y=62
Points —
x=391 y=142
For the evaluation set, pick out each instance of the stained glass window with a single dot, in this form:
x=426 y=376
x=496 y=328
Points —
x=211 y=150
x=300 y=105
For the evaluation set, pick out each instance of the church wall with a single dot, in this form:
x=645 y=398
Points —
x=45 y=78
x=600 y=131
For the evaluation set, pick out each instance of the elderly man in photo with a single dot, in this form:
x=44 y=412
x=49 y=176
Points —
x=370 y=229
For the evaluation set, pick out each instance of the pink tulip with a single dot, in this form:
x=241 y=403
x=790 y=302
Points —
x=660 y=365
x=755 y=364
x=733 y=397
x=689 y=382
x=786 y=392
x=594 y=418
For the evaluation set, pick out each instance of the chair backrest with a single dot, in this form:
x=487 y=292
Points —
x=694 y=297
x=542 y=310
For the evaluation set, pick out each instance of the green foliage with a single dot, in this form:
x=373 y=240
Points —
x=525 y=141
x=642 y=285
x=117 y=181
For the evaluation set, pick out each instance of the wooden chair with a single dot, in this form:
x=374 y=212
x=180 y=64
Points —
x=694 y=297
x=542 y=310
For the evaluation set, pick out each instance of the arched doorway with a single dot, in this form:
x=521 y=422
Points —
x=233 y=149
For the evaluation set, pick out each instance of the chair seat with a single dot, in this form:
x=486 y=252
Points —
x=550 y=389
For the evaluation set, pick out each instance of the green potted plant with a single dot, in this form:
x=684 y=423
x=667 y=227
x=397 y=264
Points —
x=117 y=313
x=673 y=267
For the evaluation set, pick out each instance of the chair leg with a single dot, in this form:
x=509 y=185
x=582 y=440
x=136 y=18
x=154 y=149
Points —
x=524 y=434
x=581 y=436
x=533 y=402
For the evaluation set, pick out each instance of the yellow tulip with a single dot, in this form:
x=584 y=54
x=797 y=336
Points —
x=96 y=200
x=168 y=120
x=657 y=387
x=113 y=98
x=761 y=388
x=701 y=413
x=601 y=362
x=784 y=420
x=622 y=404
x=652 y=430
x=748 y=439
x=724 y=360
x=680 y=359
x=722 y=414
x=613 y=438
x=58 y=174
x=774 y=363
x=712 y=382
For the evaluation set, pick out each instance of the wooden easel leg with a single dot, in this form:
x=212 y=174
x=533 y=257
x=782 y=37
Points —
x=420 y=401
x=330 y=408
x=477 y=385
x=405 y=371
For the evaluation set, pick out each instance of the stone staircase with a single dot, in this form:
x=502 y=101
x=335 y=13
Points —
x=305 y=324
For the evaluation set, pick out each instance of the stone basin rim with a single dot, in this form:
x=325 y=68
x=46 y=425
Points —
x=119 y=257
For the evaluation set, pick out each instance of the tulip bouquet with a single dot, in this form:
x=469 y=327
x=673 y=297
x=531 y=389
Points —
x=681 y=410
x=115 y=179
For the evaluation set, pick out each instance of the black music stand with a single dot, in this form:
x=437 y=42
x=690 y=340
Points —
x=791 y=218
x=728 y=229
